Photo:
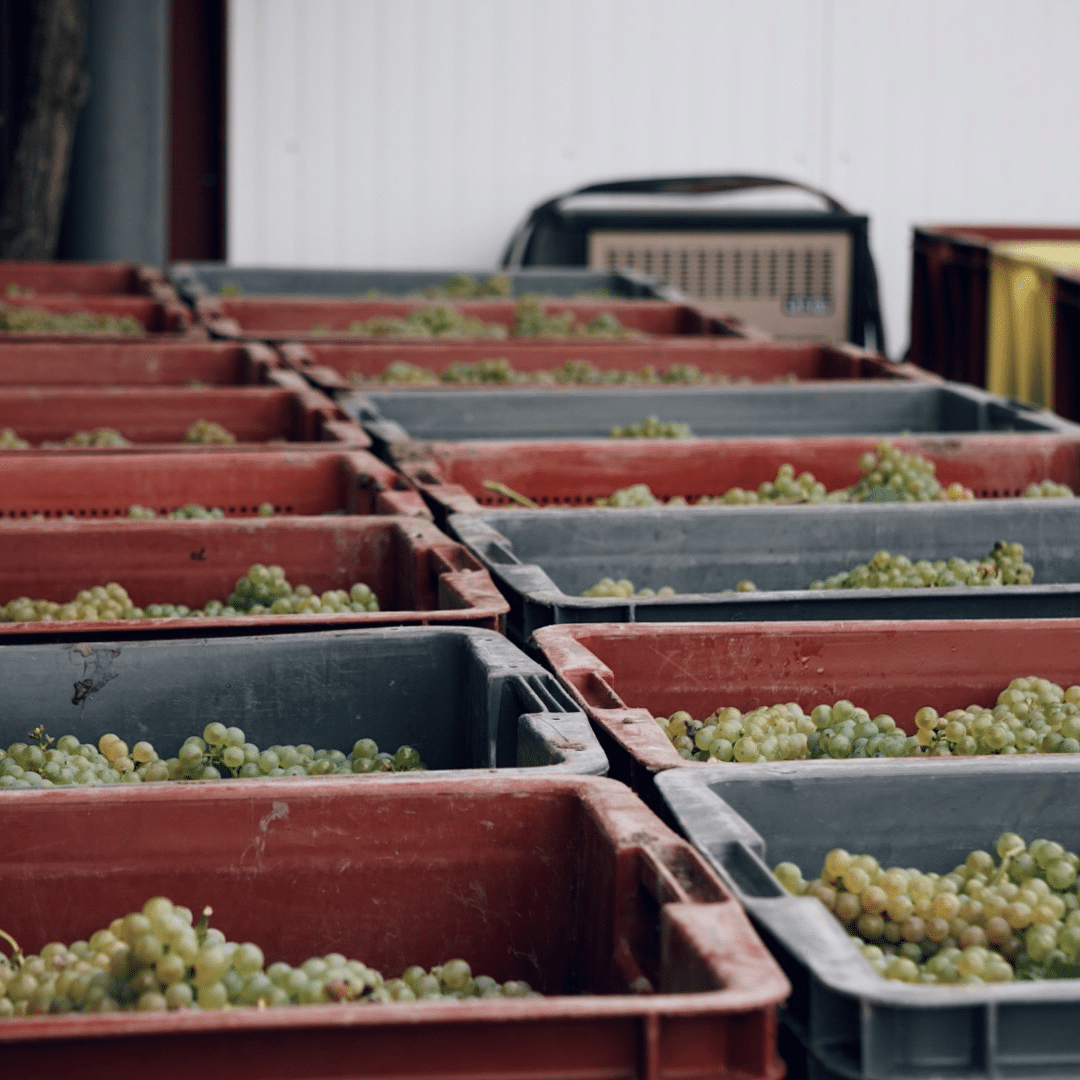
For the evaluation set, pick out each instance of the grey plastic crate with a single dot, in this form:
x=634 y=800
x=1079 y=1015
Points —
x=197 y=280
x=712 y=412
x=852 y=1022
x=466 y=699
x=542 y=560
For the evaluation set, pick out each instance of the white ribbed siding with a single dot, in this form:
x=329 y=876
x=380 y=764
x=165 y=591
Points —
x=416 y=133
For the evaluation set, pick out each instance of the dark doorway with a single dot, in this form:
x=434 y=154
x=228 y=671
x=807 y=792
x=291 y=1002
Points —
x=197 y=130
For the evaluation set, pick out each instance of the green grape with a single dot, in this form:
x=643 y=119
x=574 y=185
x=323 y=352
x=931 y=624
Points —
x=97 y=437
x=624 y=588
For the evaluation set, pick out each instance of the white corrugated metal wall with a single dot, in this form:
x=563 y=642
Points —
x=416 y=133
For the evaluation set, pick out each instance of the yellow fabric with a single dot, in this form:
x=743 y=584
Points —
x=1020 y=318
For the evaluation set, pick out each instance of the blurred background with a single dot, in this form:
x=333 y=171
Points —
x=419 y=133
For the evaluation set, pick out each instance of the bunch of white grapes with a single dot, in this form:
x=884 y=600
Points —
x=220 y=752
x=1031 y=715
x=1003 y=565
x=263 y=590
x=158 y=958
x=985 y=921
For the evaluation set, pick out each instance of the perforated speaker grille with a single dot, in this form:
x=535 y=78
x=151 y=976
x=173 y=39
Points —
x=794 y=285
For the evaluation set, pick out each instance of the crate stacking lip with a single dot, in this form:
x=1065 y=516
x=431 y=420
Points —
x=649 y=966
x=137 y=363
x=195 y=281
x=626 y=675
x=418 y=574
x=452 y=475
x=542 y=560
x=846 y=1020
x=462 y=696
x=101 y=486
x=160 y=314
x=814 y=409
x=156 y=418
x=329 y=320
x=330 y=366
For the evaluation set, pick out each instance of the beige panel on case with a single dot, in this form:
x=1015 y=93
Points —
x=795 y=285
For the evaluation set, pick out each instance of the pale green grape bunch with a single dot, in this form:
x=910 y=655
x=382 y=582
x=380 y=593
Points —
x=624 y=588
x=1003 y=565
x=496 y=370
x=209 y=433
x=1048 y=489
x=1032 y=715
x=97 y=438
x=191 y=512
x=904 y=478
x=29 y=320
x=159 y=959
x=9 y=440
x=263 y=590
x=653 y=428
x=220 y=752
x=985 y=921
x=531 y=321
x=432 y=321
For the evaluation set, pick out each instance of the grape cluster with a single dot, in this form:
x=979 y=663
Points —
x=219 y=752
x=466 y=287
x=652 y=428
x=97 y=437
x=1003 y=565
x=983 y=922
x=9 y=440
x=890 y=475
x=433 y=321
x=577 y=372
x=209 y=433
x=624 y=588
x=158 y=958
x=1031 y=715
x=263 y=590
x=1048 y=489
x=531 y=321
x=29 y=320
x=190 y=512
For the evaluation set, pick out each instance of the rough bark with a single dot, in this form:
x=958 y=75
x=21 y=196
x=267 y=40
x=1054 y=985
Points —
x=57 y=87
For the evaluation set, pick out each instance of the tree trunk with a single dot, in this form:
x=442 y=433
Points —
x=57 y=87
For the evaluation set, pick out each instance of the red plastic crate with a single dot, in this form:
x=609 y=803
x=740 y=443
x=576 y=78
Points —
x=136 y=363
x=104 y=486
x=419 y=575
x=329 y=366
x=577 y=473
x=649 y=967
x=625 y=675
x=157 y=417
x=158 y=314
x=295 y=319
x=83 y=278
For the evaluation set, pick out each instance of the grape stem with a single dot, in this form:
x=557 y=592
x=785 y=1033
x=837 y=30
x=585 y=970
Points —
x=16 y=953
x=510 y=493
x=1007 y=858
x=43 y=740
